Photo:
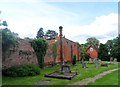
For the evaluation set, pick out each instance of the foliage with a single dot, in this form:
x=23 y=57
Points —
x=74 y=60
x=51 y=34
x=4 y=23
x=55 y=50
x=40 y=33
x=40 y=46
x=114 y=47
x=103 y=52
x=22 y=70
x=93 y=41
x=84 y=54
x=8 y=39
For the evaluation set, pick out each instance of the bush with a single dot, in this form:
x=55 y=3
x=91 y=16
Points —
x=74 y=60
x=22 y=70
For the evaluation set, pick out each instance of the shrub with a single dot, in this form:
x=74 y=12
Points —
x=74 y=60
x=22 y=70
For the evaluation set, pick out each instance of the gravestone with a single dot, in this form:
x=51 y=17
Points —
x=83 y=63
x=115 y=60
x=96 y=62
x=111 y=59
x=65 y=68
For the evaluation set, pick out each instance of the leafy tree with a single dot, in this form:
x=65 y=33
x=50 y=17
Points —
x=114 y=48
x=4 y=23
x=40 y=46
x=40 y=33
x=83 y=48
x=51 y=34
x=8 y=39
x=93 y=41
x=103 y=52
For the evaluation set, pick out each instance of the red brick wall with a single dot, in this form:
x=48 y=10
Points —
x=93 y=54
x=70 y=49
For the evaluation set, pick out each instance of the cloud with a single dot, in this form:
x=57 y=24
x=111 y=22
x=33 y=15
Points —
x=103 y=28
x=26 y=19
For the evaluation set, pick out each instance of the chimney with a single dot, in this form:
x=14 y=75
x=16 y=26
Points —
x=60 y=31
x=61 y=47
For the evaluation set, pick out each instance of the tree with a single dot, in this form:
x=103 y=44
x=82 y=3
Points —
x=84 y=54
x=8 y=39
x=4 y=23
x=114 y=48
x=40 y=46
x=51 y=34
x=103 y=52
x=40 y=33
x=93 y=41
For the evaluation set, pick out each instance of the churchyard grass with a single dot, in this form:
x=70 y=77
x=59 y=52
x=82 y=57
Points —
x=110 y=79
x=83 y=73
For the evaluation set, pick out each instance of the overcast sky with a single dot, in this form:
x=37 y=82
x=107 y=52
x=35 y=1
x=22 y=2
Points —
x=80 y=20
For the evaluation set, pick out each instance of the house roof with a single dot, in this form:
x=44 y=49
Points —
x=93 y=47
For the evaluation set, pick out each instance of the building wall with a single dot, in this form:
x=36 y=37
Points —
x=70 y=49
x=23 y=54
x=93 y=54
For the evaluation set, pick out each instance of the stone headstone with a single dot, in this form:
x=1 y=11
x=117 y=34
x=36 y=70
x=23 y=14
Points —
x=65 y=68
x=83 y=63
x=96 y=62
x=111 y=59
x=115 y=60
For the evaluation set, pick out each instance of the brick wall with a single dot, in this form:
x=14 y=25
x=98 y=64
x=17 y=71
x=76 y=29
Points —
x=23 y=54
x=70 y=49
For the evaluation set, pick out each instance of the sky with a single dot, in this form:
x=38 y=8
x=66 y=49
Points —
x=80 y=20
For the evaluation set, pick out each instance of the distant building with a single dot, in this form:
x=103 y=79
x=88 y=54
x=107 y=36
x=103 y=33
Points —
x=92 y=51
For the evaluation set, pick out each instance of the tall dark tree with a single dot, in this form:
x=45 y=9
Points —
x=4 y=23
x=51 y=34
x=40 y=33
x=114 y=48
x=103 y=53
x=84 y=54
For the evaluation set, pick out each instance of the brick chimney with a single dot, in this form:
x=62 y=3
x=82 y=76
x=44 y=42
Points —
x=61 y=47
x=60 y=31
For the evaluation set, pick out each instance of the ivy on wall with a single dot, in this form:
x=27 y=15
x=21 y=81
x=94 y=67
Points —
x=40 y=46
x=54 y=48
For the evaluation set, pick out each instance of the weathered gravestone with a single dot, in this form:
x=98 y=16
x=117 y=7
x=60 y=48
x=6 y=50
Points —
x=115 y=60
x=83 y=63
x=111 y=59
x=65 y=68
x=96 y=62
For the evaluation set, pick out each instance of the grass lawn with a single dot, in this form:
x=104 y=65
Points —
x=110 y=79
x=83 y=73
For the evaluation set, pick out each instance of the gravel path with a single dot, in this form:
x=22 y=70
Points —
x=89 y=80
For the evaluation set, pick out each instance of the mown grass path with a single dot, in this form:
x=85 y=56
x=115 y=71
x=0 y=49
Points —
x=89 y=80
